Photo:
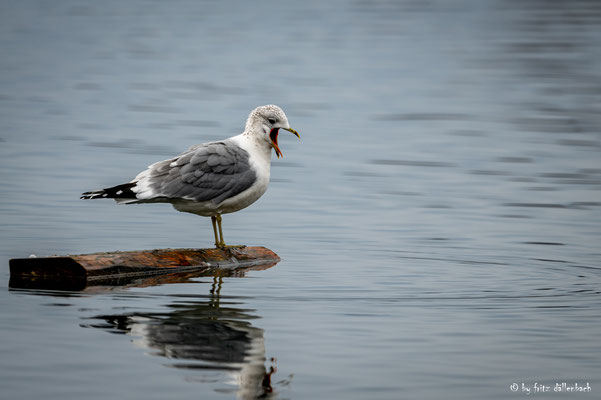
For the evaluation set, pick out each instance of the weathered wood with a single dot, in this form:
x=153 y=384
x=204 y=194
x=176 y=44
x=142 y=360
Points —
x=122 y=266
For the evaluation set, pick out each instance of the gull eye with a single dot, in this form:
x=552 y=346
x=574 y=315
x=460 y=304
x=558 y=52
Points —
x=271 y=121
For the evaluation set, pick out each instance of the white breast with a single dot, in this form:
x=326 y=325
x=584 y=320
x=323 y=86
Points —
x=260 y=162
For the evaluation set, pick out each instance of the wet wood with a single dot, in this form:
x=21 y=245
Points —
x=122 y=267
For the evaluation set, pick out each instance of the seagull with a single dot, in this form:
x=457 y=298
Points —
x=211 y=179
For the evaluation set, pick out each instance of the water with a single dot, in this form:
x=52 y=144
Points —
x=439 y=222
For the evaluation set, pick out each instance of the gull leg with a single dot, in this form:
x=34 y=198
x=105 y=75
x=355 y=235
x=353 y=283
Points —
x=214 y=221
x=221 y=241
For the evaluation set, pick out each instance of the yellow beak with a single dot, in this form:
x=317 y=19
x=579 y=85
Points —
x=274 y=140
x=293 y=131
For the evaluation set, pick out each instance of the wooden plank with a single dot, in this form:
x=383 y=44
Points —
x=123 y=266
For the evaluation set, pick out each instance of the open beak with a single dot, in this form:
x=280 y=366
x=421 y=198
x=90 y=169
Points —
x=274 y=139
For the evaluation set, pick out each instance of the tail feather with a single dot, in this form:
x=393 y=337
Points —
x=116 y=192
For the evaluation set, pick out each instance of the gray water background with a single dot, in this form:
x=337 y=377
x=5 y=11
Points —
x=439 y=222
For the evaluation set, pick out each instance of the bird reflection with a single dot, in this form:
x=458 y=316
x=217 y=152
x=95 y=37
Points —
x=204 y=336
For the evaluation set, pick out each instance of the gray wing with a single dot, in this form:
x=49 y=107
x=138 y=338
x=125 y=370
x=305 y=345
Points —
x=213 y=171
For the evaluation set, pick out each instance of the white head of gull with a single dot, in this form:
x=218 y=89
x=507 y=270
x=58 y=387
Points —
x=212 y=178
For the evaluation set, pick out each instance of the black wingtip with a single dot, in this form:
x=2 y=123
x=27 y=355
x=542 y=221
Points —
x=116 y=192
x=93 y=195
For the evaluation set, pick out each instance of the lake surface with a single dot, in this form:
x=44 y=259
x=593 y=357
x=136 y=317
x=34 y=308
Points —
x=439 y=222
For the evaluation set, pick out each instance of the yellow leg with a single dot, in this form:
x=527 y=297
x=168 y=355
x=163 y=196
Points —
x=218 y=231
x=214 y=221
x=221 y=241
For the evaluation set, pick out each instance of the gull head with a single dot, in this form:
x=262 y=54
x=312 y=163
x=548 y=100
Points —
x=265 y=122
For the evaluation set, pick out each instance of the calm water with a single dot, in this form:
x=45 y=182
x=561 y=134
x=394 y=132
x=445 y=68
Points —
x=439 y=223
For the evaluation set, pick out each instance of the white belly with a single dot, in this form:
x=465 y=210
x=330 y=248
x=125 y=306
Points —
x=236 y=203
